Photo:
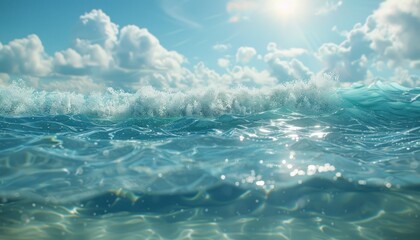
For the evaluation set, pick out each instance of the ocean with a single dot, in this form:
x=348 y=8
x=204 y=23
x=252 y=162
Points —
x=303 y=160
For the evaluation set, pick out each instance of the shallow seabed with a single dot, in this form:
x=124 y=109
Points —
x=311 y=213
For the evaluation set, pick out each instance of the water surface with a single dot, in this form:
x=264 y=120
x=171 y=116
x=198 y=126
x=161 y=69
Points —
x=295 y=162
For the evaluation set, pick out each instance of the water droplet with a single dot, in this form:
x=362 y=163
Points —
x=260 y=183
x=79 y=171
x=362 y=182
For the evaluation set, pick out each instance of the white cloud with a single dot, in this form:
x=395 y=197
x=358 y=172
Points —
x=330 y=6
x=87 y=58
x=4 y=79
x=69 y=62
x=102 y=55
x=349 y=60
x=223 y=62
x=79 y=84
x=221 y=47
x=131 y=57
x=245 y=54
x=275 y=52
x=127 y=58
x=389 y=35
x=138 y=49
x=25 y=56
x=286 y=70
x=238 y=76
x=403 y=77
x=289 y=70
x=394 y=31
x=205 y=75
x=249 y=77
x=415 y=64
x=94 y=46
x=98 y=28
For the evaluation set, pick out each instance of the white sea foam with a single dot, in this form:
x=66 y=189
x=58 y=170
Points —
x=316 y=95
x=17 y=99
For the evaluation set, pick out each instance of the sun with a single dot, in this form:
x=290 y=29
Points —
x=283 y=8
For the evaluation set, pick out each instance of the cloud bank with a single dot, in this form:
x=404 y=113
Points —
x=130 y=57
x=103 y=54
x=388 y=37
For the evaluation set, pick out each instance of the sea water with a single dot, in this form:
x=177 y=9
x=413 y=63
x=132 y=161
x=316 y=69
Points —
x=299 y=161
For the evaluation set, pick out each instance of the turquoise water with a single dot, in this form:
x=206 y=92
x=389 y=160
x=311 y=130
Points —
x=301 y=161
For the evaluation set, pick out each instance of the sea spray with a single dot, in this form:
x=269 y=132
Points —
x=17 y=99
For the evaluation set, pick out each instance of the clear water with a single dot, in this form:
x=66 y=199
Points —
x=301 y=161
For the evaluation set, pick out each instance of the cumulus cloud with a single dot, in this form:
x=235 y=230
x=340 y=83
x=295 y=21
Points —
x=221 y=47
x=349 y=60
x=249 y=77
x=137 y=48
x=130 y=57
x=4 y=79
x=87 y=59
x=394 y=31
x=69 y=62
x=330 y=6
x=98 y=28
x=206 y=75
x=283 y=64
x=389 y=35
x=94 y=46
x=102 y=53
x=223 y=62
x=275 y=52
x=127 y=57
x=403 y=77
x=25 y=56
x=245 y=54
x=289 y=70
x=237 y=76
x=79 y=84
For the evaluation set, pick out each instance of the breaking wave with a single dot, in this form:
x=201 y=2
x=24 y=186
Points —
x=19 y=100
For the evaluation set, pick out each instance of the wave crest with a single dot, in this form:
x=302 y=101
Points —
x=17 y=99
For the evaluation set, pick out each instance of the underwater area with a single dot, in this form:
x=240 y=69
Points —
x=294 y=162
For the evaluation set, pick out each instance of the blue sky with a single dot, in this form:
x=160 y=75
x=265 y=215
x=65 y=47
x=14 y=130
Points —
x=87 y=45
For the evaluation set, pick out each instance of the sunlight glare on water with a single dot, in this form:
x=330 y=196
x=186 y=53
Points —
x=265 y=173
